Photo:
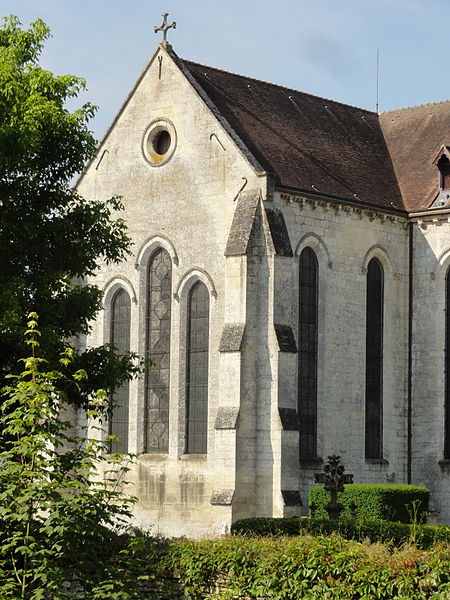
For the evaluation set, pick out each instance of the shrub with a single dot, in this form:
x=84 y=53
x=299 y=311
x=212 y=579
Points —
x=270 y=526
x=304 y=567
x=386 y=502
x=60 y=522
x=424 y=536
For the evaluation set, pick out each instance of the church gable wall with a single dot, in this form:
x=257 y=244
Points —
x=185 y=206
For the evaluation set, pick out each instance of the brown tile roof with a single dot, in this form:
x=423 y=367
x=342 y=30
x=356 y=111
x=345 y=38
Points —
x=308 y=143
x=414 y=137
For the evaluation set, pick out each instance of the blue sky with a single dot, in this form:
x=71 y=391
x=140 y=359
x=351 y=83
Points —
x=324 y=47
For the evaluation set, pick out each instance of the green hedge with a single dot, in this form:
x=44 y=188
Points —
x=305 y=567
x=281 y=568
x=388 y=502
x=424 y=536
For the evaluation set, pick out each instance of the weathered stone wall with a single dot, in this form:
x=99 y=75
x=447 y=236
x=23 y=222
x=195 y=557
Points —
x=245 y=247
x=186 y=206
x=431 y=243
x=344 y=240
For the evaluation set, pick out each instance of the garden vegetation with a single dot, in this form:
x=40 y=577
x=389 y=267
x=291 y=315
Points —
x=64 y=530
x=383 y=501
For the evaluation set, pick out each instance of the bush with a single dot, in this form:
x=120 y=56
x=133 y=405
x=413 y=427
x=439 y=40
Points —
x=388 y=502
x=304 y=567
x=60 y=524
x=270 y=526
x=424 y=536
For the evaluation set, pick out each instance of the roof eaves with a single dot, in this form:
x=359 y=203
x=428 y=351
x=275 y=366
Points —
x=427 y=212
x=342 y=200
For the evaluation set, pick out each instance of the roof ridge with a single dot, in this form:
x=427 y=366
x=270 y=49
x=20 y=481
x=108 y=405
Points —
x=415 y=106
x=282 y=87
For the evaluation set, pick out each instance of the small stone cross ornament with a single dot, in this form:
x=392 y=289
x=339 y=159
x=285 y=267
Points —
x=165 y=27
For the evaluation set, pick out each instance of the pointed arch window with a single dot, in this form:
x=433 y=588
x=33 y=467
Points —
x=197 y=354
x=307 y=353
x=159 y=291
x=374 y=361
x=447 y=369
x=120 y=338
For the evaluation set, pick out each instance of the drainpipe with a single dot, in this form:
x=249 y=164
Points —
x=410 y=326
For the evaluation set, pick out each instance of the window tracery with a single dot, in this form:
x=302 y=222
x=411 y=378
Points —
x=447 y=369
x=159 y=291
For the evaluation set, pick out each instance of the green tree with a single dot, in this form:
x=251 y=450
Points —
x=50 y=237
x=58 y=519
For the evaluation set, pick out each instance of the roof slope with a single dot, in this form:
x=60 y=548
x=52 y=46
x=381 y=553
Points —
x=308 y=143
x=414 y=137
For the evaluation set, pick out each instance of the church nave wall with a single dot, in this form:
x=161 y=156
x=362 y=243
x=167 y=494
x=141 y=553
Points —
x=344 y=240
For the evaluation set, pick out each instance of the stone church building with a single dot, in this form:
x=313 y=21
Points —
x=289 y=280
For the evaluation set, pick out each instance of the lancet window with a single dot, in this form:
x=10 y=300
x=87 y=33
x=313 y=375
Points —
x=444 y=169
x=120 y=337
x=197 y=354
x=159 y=290
x=374 y=361
x=307 y=353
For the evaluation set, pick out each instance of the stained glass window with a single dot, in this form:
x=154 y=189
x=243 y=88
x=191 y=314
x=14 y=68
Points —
x=307 y=353
x=159 y=290
x=197 y=369
x=120 y=337
x=374 y=360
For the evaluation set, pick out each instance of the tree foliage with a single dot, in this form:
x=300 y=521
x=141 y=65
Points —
x=58 y=519
x=50 y=237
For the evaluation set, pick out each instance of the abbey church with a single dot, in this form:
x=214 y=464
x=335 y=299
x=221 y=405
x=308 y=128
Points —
x=289 y=280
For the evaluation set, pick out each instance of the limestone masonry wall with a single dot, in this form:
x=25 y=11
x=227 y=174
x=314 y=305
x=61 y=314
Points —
x=431 y=244
x=185 y=206
x=344 y=240
x=222 y=223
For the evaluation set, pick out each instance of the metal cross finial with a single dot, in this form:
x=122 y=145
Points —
x=165 y=27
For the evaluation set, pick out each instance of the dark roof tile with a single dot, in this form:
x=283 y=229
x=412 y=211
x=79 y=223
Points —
x=414 y=137
x=308 y=143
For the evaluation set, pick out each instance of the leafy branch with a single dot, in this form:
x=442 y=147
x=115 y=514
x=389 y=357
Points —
x=60 y=518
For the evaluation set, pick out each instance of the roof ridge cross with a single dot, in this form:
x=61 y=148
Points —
x=164 y=28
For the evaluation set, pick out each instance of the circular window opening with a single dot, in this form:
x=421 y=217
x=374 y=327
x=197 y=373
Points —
x=161 y=142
